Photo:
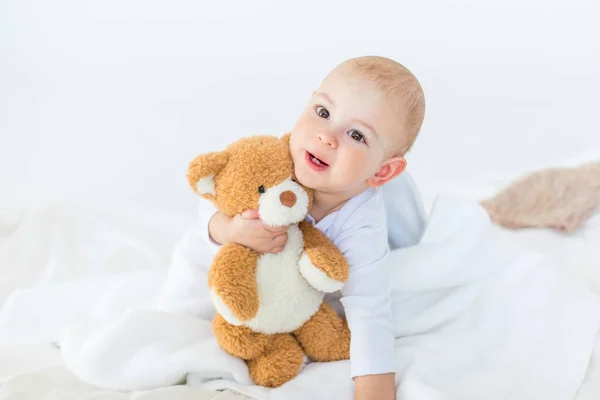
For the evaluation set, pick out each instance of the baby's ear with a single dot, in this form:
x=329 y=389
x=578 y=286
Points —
x=202 y=171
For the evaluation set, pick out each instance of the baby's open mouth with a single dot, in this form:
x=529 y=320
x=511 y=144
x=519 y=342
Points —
x=317 y=161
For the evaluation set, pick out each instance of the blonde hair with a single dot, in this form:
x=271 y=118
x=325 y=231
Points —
x=396 y=80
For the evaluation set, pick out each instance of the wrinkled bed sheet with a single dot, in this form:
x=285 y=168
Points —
x=56 y=242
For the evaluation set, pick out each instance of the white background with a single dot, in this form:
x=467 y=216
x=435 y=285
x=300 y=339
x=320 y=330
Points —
x=107 y=101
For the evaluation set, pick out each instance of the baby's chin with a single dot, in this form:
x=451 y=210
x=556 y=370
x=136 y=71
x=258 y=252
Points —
x=320 y=184
x=304 y=178
x=310 y=179
x=325 y=181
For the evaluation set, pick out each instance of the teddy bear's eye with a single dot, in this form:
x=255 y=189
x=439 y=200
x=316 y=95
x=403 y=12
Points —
x=295 y=181
x=261 y=189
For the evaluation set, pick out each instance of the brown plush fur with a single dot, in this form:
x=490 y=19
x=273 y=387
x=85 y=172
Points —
x=272 y=359
x=240 y=341
x=322 y=253
x=234 y=280
x=241 y=169
x=559 y=198
x=280 y=362
x=325 y=337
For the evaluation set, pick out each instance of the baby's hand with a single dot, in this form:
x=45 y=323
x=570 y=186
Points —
x=248 y=230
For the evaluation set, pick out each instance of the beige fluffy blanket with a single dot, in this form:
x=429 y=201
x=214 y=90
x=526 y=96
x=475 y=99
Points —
x=557 y=198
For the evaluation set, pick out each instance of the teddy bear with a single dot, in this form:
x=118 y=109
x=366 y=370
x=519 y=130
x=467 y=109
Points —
x=270 y=308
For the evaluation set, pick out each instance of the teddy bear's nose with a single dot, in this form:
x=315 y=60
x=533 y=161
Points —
x=287 y=198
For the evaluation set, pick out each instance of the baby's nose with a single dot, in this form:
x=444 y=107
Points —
x=288 y=198
x=328 y=139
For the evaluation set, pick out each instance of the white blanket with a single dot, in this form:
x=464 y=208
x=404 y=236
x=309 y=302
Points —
x=476 y=318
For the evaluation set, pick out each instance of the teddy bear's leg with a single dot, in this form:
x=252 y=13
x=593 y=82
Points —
x=322 y=264
x=325 y=337
x=279 y=364
x=239 y=341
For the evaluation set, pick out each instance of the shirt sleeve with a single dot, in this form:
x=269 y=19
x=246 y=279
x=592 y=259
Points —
x=206 y=210
x=405 y=211
x=366 y=299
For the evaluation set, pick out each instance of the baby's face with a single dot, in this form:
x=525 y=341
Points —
x=342 y=136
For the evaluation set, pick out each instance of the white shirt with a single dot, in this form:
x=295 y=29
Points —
x=360 y=231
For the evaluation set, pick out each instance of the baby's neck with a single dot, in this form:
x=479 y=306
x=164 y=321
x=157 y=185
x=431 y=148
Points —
x=327 y=203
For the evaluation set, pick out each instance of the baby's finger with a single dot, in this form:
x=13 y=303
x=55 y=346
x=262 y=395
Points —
x=276 y=229
x=280 y=240
x=250 y=214
x=276 y=249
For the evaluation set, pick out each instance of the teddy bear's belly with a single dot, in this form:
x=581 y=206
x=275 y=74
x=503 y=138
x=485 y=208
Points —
x=286 y=300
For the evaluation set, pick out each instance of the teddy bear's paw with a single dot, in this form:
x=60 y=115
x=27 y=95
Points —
x=316 y=277
x=224 y=310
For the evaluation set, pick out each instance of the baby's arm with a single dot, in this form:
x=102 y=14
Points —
x=209 y=215
x=366 y=298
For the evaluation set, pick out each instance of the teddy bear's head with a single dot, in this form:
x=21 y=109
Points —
x=252 y=173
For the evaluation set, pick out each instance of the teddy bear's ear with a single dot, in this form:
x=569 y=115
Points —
x=202 y=171
x=286 y=138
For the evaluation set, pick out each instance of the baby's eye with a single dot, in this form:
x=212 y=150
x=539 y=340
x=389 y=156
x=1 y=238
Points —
x=322 y=112
x=356 y=135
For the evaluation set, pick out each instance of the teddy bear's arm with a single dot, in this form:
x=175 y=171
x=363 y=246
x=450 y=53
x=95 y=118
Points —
x=322 y=264
x=232 y=279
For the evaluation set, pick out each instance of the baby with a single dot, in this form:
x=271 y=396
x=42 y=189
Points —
x=349 y=141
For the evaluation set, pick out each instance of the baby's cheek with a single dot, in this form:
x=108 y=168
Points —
x=301 y=129
x=357 y=160
x=355 y=167
x=297 y=142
